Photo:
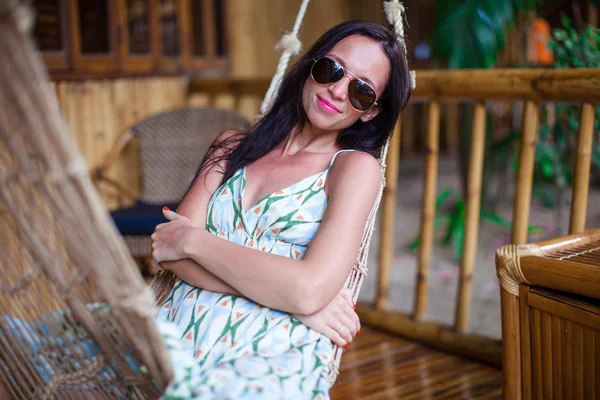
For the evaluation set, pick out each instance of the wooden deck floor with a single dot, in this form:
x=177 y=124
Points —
x=380 y=366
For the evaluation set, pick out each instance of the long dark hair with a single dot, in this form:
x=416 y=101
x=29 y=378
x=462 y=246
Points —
x=288 y=112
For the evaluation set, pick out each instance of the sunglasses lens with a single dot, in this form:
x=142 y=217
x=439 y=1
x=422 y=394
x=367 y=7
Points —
x=326 y=71
x=361 y=95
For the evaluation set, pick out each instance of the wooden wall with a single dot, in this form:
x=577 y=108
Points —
x=257 y=25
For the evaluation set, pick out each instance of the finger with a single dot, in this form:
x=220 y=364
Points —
x=354 y=318
x=155 y=256
x=334 y=336
x=171 y=215
x=347 y=294
x=350 y=328
x=155 y=264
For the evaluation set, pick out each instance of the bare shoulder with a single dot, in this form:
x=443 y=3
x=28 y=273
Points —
x=357 y=165
x=354 y=171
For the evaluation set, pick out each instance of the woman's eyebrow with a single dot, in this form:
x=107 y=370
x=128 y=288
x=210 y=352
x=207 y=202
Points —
x=343 y=64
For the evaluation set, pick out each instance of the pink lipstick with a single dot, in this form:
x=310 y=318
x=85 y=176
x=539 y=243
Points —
x=327 y=106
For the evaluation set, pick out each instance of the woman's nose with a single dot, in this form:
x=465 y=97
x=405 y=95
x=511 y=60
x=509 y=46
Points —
x=339 y=89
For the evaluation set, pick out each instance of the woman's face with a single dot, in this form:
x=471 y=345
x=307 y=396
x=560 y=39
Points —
x=327 y=106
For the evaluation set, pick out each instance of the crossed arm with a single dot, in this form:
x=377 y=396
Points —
x=300 y=287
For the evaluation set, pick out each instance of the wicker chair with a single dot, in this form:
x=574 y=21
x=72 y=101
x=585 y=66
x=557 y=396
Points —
x=171 y=146
x=76 y=318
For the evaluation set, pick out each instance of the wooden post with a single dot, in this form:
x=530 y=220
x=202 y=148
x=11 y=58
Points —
x=428 y=208
x=452 y=127
x=408 y=131
x=463 y=302
x=581 y=176
x=525 y=174
x=388 y=208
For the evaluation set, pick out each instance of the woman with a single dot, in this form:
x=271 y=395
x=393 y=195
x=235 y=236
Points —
x=291 y=199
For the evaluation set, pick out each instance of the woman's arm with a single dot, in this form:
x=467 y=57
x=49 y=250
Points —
x=296 y=286
x=194 y=206
x=193 y=273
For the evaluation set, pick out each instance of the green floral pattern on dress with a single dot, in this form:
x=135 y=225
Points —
x=225 y=346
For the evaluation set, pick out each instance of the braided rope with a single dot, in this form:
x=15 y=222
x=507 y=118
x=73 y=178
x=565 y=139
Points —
x=291 y=45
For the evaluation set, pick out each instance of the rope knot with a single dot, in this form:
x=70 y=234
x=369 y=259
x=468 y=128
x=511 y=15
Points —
x=290 y=42
x=394 y=10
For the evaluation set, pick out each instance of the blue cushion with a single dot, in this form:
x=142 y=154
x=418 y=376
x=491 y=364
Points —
x=141 y=218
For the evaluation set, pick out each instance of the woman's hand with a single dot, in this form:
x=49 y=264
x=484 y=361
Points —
x=169 y=238
x=337 y=320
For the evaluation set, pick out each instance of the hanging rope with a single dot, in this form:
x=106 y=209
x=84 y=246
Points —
x=291 y=45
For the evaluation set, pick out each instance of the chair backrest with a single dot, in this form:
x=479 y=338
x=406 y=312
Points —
x=75 y=314
x=172 y=145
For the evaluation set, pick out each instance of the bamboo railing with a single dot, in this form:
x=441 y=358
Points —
x=532 y=87
x=444 y=88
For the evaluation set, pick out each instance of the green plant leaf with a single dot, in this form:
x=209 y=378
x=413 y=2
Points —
x=446 y=193
x=469 y=33
x=565 y=21
x=496 y=219
x=459 y=234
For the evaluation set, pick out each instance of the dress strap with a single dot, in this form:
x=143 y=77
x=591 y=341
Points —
x=335 y=155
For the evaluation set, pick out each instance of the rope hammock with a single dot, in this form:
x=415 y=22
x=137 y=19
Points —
x=76 y=315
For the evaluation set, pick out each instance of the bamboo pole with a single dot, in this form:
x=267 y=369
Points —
x=428 y=208
x=408 y=131
x=581 y=176
x=525 y=174
x=463 y=302
x=388 y=207
x=563 y=85
x=452 y=126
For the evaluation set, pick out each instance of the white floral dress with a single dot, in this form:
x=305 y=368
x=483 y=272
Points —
x=228 y=347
